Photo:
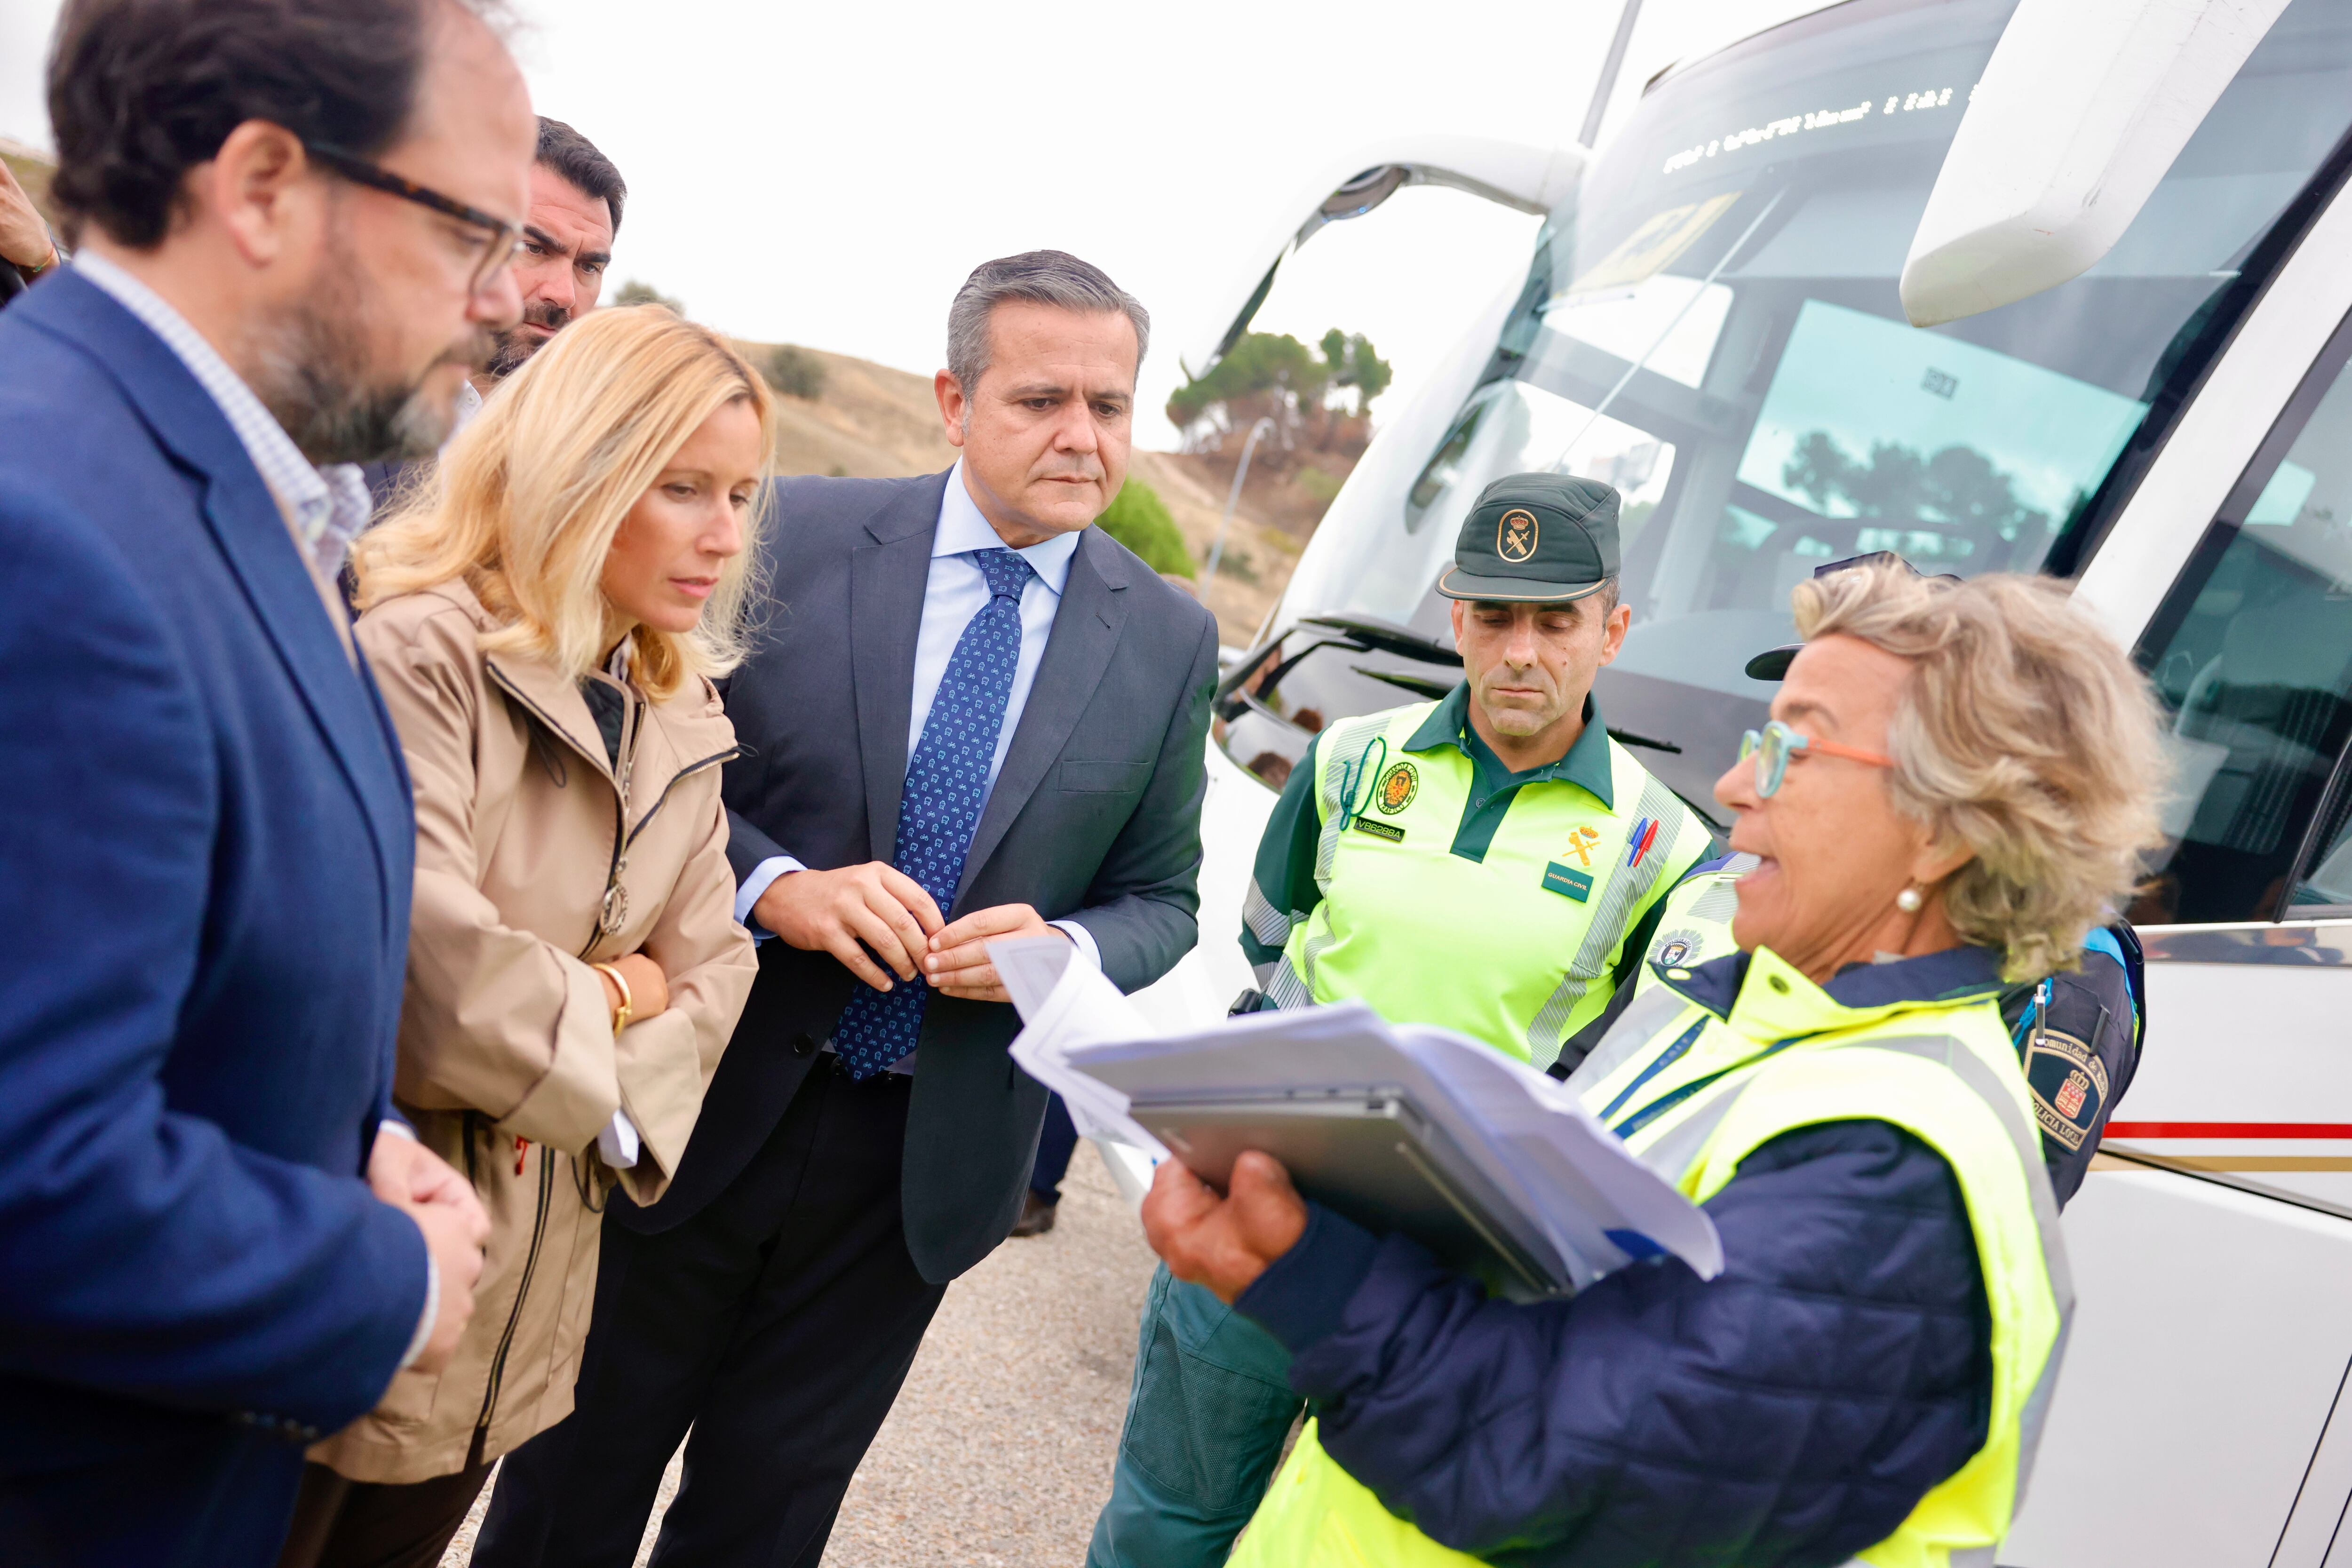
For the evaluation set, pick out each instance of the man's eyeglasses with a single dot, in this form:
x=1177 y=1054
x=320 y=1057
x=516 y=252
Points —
x=1774 y=744
x=505 y=238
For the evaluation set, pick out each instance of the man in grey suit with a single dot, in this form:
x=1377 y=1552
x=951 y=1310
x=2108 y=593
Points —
x=972 y=714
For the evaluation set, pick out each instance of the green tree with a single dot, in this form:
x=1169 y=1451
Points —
x=1273 y=373
x=636 y=293
x=1265 y=372
x=794 y=371
x=1958 y=489
x=1352 y=362
x=1139 y=519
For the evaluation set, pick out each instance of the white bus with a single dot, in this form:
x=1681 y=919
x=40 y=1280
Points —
x=1713 y=319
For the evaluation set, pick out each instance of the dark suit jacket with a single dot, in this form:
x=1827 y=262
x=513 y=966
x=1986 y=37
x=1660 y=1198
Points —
x=1096 y=815
x=207 y=854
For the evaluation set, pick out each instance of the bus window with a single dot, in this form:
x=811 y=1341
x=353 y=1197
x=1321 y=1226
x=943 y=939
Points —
x=2252 y=662
x=1711 y=321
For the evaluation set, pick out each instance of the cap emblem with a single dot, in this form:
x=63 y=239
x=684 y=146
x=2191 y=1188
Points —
x=1514 y=534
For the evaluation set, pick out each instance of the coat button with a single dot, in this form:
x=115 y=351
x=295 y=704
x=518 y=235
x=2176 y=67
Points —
x=804 y=1045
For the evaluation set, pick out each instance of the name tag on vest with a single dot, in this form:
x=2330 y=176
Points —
x=1568 y=880
x=1387 y=830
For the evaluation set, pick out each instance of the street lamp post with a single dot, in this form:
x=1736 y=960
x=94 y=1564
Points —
x=1233 y=497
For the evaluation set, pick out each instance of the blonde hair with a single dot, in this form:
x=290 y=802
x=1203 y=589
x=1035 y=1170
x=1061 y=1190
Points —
x=525 y=502
x=2024 y=735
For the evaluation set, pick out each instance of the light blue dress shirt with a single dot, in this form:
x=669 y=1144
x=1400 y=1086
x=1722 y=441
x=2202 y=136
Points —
x=955 y=591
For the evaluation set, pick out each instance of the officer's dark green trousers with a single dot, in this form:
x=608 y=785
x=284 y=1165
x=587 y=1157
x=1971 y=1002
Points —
x=1206 y=1417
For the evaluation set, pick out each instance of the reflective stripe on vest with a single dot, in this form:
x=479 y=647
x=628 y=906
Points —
x=1751 y=1088
x=1516 y=949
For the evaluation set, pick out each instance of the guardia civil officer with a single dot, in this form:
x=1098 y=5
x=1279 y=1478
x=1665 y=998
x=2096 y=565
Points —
x=2077 y=1031
x=1867 y=1375
x=1490 y=862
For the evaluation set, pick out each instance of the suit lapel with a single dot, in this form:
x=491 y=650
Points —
x=250 y=531
x=1086 y=632
x=887 y=577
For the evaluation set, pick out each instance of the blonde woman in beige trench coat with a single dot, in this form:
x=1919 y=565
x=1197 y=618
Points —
x=544 y=623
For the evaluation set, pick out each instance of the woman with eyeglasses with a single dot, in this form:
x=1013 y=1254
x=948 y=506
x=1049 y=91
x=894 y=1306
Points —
x=546 y=620
x=1953 y=790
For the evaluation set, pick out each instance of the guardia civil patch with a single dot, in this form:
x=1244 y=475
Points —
x=1397 y=788
x=1567 y=882
x=2069 y=1083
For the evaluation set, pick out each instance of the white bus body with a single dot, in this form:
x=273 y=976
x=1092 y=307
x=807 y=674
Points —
x=1712 y=320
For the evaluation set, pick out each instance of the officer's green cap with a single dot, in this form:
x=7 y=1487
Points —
x=1536 y=538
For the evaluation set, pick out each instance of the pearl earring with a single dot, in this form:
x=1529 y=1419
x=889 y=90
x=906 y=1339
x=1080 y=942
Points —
x=1909 y=900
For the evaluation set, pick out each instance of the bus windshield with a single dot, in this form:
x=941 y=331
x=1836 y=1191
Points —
x=1711 y=324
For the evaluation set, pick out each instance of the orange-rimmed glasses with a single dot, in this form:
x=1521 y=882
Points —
x=1773 y=745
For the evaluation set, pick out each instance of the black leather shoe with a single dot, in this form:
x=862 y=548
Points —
x=1037 y=1216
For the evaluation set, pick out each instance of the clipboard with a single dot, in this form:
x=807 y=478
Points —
x=1373 y=1156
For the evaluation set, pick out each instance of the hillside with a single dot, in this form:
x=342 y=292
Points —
x=873 y=420
x=876 y=422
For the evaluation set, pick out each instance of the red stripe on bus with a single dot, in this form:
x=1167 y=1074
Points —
x=2228 y=1129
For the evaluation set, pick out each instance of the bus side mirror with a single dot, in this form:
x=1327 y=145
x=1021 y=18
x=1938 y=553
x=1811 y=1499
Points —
x=1530 y=178
x=2082 y=109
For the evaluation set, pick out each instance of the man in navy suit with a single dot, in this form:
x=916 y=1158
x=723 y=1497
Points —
x=972 y=715
x=295 y=221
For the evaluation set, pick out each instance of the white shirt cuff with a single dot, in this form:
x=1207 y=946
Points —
x=432 y=1310
x=1080 y=938
x=618 y=1142
x=395 y=1124
x=765 y=872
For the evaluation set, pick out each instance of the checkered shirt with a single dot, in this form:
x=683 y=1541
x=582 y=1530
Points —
x=327 y=506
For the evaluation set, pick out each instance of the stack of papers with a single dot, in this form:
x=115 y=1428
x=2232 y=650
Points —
x=1569 y=1180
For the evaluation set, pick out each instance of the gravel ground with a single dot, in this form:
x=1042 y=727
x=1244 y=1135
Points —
x=999 y=1452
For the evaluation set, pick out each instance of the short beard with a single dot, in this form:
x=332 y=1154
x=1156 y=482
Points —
x=515 y=346
x=312 y=371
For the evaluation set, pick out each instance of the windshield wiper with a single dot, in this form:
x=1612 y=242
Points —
x=1387 y=637
x=1419 y=685
x=1628 y=738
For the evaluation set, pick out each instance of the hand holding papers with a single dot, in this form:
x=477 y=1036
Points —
x=1491 y=1164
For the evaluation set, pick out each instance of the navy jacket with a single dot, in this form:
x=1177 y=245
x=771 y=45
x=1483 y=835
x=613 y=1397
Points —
x=206 y=852
x=1790 y=1411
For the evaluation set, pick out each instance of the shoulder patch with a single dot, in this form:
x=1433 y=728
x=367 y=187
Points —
x=2069 y=1083
x=1674 y=949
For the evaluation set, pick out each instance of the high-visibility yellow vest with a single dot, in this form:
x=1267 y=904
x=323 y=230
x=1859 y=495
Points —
x=1694 y=1093
x=1516 y=949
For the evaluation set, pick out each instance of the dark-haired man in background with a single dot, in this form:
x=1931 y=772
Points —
x=294 y=224
x=576 y=195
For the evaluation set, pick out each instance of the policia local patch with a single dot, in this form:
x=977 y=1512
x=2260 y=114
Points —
x=2069 y=1083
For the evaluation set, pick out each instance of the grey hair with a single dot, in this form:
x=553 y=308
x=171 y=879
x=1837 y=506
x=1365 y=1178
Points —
x=2022 y=733
x=1044 y=277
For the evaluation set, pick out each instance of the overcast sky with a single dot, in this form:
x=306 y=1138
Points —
x=827 y=175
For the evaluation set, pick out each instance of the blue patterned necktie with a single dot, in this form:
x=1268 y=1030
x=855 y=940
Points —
x=945 y=781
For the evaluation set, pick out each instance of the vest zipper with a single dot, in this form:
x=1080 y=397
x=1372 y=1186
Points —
x=1672 y=1097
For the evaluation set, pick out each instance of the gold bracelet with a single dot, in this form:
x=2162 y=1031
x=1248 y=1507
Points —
x=622 y=1013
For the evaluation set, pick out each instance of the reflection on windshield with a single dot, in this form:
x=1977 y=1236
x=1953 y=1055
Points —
x=1712 y=324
